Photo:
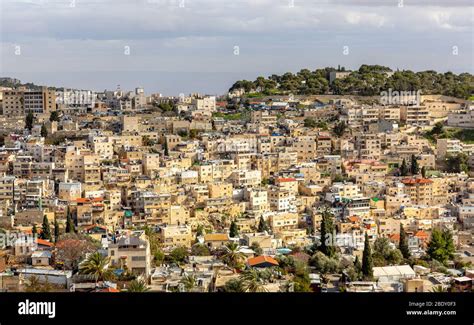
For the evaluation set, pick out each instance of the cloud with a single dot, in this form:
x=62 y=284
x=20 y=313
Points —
x=273 y=35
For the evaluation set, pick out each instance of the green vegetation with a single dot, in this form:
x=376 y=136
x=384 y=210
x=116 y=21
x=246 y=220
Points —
x=56 y=231
x=340 y=128
x=44 y=131
x=384 y=254
x=229 y=116
x=54 y=116
x=403 y=244
x=457 y=163
x=404 y=168
x=178 y=255
x=252 y=280
x=369 y=80
x=200 y=250
x=70 y=228
x=29 y=120
x=441 y=246
x=367 y=263
x=96 y=265
x=414 y=168
x=234 y=231
x=262 y=225
x=46 y=233
x=439 y=131
x=137 y=285
x=326 y=231
x=232 y=257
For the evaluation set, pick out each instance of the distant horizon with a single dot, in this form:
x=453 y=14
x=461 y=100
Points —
x=230 y=82
x=175 y=46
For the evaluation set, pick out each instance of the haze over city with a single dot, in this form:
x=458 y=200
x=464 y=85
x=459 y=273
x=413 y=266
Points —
x=203 y=46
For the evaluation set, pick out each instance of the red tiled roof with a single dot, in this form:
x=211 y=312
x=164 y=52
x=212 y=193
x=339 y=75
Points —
x=108 y=290
x=289 y=179
x=412 y=181
x=421 y=233
x=354 y=219
x=262 y=259
x=395 y=237
x=44 y=242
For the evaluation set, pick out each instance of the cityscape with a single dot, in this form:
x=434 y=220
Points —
x=308 y=182
x=238 y=160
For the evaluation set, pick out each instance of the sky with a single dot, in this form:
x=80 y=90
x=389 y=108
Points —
x=187 y=46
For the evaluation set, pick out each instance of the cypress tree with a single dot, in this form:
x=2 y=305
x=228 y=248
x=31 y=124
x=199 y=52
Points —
x=423 y=172
x=167 y=152
x=56 y=231
x=30 y=118
x=415 y=169
x=44 y=131
x=262 y=225
x=46 y=234
x=69 y=224
x=404 y=168
x=234 y=231
x=327 y=227
x=367 y=259
x=403 y=245
x=34 y=231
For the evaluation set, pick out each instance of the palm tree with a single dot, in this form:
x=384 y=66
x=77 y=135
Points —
x=232 y=256
x=439 y=288
x=252 y=281
x=137 y=285
x=189 y=282
x=96 y=265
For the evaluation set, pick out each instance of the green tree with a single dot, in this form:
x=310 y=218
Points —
x=262 y=225
x=327 y=230
x=30 y=118
x=166 y=149
x=340 y=128
x=256 y=248
x=441 y=246
x=423 y=172
x=301 y=280
x=189 y=282
x=46 y=229
x=34 y=231
x=309 y=123
x=457 y=163
x=96 y=265
x=367 y=259
x=234 y=230
x=178 y=255
x=233 y=285
x=404 y=168
x=54 y=116
x=159 y=257
x=200 y=250
x=252 y=281
x=44 y=131
x=232 y=256
x=137 y=285
x=56 y=231
x=403 y=244
x=415 y=169
x=70 y=228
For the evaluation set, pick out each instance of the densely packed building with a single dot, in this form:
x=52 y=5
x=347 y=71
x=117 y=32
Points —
x=194 y=193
